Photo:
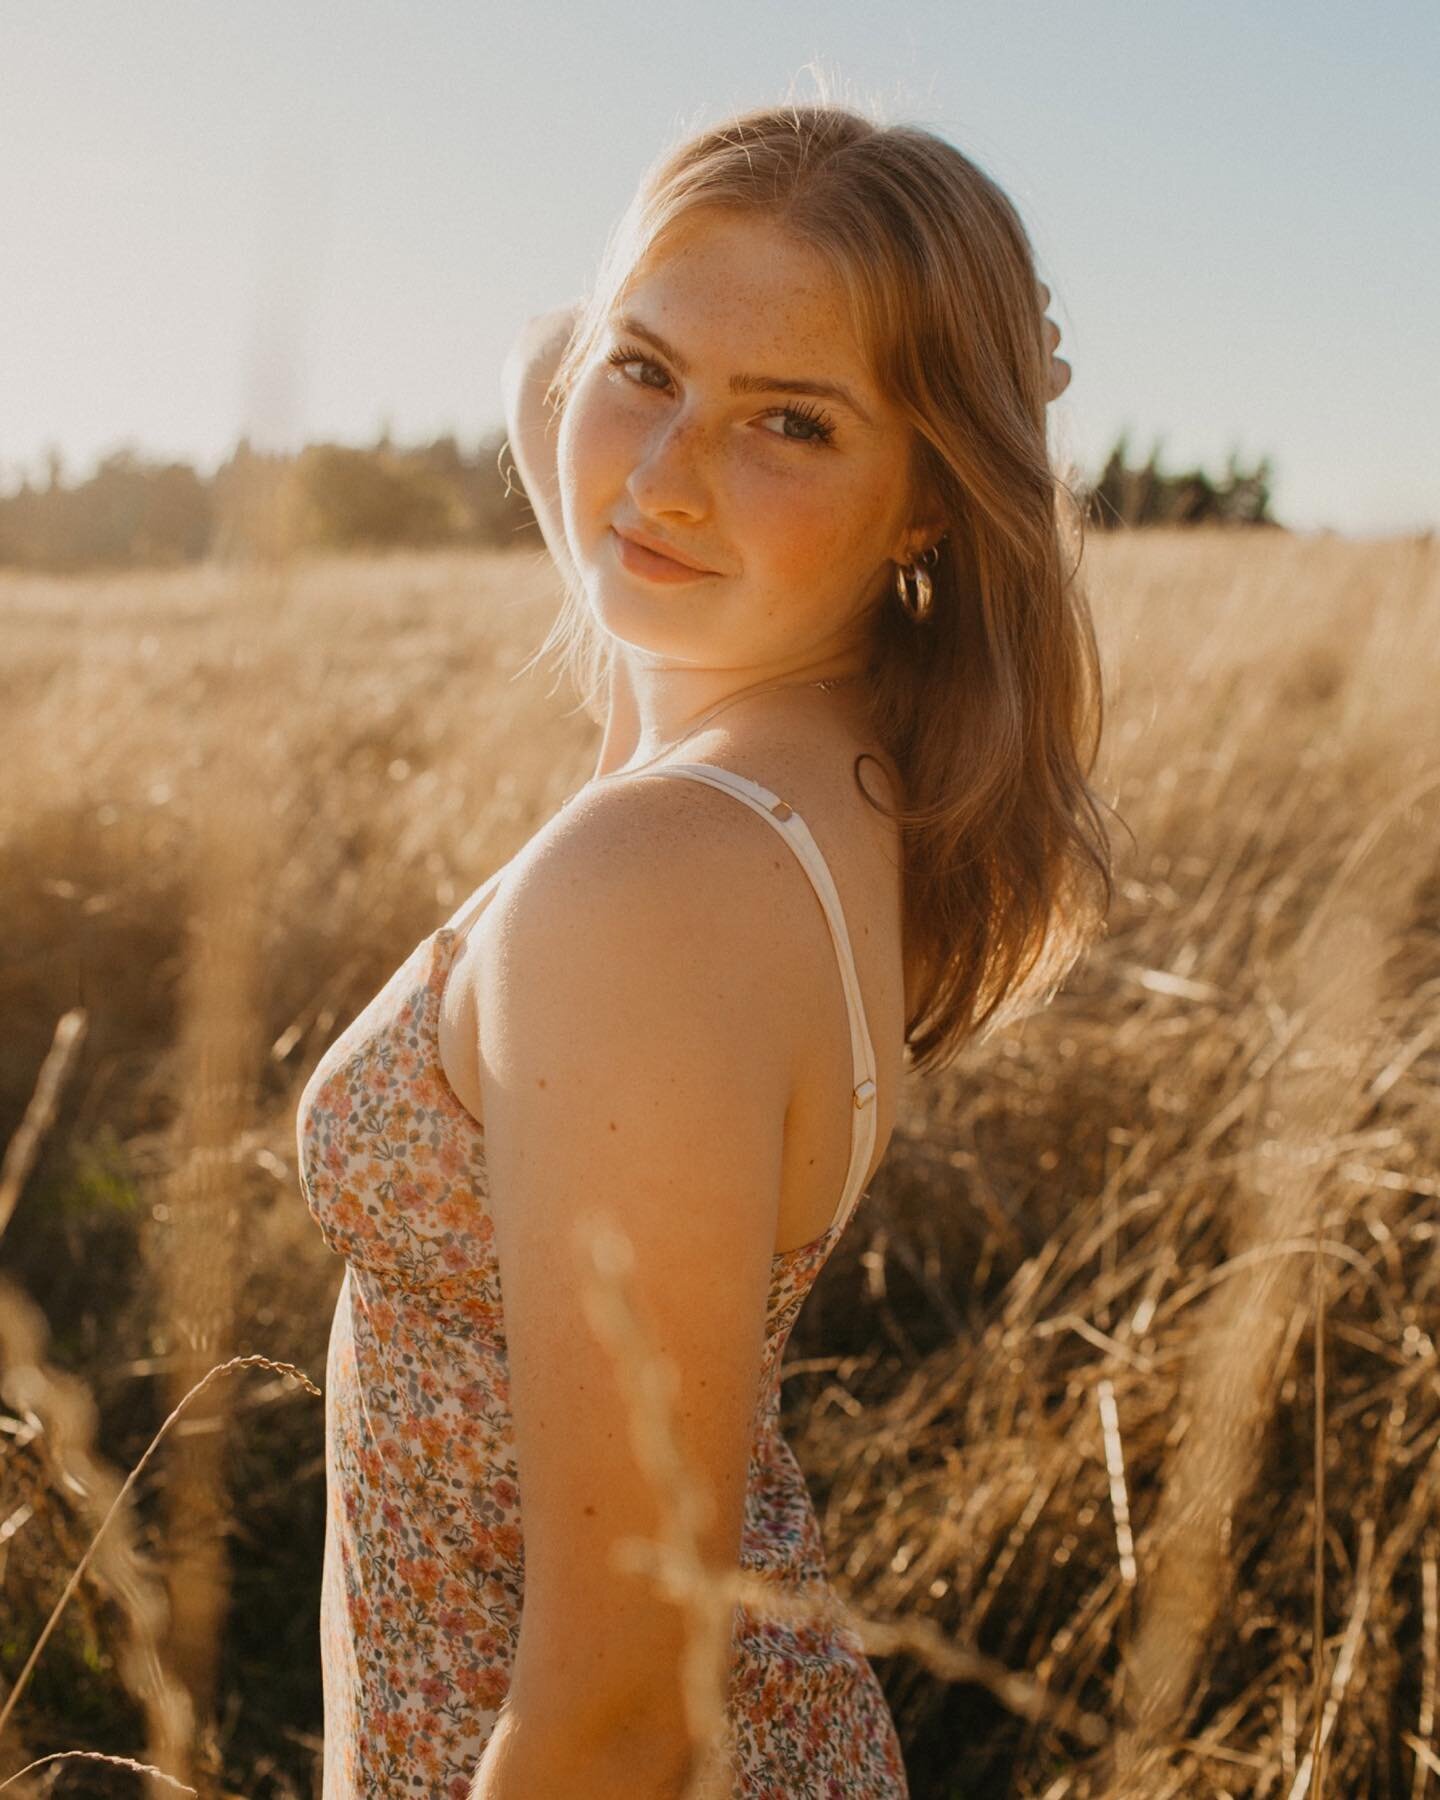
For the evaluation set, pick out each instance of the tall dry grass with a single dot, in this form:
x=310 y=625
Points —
x=1056 y=1393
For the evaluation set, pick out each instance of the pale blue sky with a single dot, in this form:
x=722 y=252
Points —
x=305 y=217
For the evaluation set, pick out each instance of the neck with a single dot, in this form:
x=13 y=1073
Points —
x=621 y=733
x=646 y=717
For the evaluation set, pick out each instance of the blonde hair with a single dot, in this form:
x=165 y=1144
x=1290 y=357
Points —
x=991 y=707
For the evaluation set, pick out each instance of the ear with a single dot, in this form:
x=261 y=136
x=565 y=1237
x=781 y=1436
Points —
x=917 y=540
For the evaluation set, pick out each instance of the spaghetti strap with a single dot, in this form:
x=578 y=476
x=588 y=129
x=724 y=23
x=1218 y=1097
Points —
x=464 y=914
x=798 y=835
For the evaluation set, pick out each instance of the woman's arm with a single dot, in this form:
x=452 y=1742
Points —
x=638 y=1051
x=531 y=426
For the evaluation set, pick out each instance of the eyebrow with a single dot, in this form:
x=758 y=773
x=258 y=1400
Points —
x=751 y=384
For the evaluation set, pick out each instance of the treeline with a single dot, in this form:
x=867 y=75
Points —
x=133 y=512
x=1145 y=495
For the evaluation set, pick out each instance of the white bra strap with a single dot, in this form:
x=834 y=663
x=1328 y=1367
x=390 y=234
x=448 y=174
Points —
x=800 y=839
x=464 y=914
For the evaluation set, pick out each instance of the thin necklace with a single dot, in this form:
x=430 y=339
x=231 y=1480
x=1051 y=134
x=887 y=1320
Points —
x=830 y=681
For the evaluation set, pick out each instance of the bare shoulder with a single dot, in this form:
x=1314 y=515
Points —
x=644 y=893
x=679 y=841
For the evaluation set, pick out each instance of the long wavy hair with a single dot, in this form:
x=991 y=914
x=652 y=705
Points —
x=991 y=706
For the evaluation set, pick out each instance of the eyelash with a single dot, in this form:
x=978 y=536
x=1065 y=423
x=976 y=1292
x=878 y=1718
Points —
x=824 y=429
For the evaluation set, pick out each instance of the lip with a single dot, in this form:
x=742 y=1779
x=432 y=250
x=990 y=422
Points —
x=643 y=556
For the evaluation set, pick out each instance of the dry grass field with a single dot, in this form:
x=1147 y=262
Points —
x=1056 y=1392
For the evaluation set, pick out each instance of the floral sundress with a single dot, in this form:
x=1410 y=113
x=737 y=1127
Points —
x=424 y=1564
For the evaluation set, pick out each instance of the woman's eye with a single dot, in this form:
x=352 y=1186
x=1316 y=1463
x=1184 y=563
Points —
x=624 y=358
x=816 y=428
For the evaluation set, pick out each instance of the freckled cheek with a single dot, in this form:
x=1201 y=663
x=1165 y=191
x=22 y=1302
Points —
x=596 y=450
x=802 y=535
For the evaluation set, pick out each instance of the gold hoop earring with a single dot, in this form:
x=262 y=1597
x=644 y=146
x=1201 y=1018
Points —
x=919 y=607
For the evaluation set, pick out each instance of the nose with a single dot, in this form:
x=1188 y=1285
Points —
x=669 y=473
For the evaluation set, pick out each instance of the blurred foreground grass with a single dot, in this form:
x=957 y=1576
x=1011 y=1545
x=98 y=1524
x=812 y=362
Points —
x=1055 y=1392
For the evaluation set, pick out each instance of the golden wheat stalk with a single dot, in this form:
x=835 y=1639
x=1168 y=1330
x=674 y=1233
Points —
x=236 y=1362
x=122 y=1762
x=24 y=1146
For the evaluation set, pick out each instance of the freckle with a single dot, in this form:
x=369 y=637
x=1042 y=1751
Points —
x=540 y=1081
x=614 y=1126
x=589 y=1512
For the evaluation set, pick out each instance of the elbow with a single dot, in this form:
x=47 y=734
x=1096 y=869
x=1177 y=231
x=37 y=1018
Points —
x=630 y=1756
x=537 y=349
x=621 y=1764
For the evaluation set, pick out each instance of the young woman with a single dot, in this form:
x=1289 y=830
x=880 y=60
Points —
x=817 y=593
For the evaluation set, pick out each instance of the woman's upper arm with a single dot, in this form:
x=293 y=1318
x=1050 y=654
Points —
x=636 y=1069
x=532 y=427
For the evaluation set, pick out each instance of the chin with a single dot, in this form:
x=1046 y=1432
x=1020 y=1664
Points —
x=662 y=625
x=657 y=625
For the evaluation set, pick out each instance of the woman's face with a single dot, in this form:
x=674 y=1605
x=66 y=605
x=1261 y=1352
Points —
x=679 y=428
